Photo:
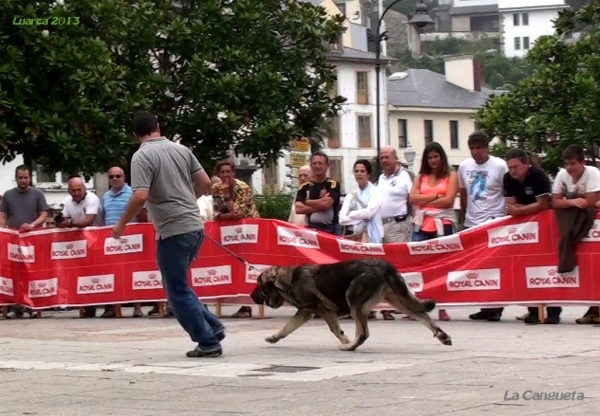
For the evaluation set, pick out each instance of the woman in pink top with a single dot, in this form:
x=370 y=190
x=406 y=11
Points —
x=432 y=196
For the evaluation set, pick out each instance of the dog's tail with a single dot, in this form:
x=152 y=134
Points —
x=399 y=286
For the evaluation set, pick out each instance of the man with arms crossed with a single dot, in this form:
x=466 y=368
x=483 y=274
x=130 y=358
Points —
x=480 y=180
x=577 y=185
x=319 y=198
x=168 y=178
x=527 y=192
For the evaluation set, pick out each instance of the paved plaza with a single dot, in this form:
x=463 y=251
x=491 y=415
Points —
x=62 y=365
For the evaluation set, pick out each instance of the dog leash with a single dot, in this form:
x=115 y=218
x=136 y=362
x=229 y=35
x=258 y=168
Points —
x=250 y=266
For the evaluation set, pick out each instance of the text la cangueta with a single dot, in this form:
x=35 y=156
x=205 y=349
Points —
x=46 y=21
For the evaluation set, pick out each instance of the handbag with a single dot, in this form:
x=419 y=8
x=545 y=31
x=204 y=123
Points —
x=363 y=235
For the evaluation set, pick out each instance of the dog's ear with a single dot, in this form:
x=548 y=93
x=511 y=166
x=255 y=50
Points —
x=270 y=275
x=279 y=285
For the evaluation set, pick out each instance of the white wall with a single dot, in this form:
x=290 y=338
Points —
x=541 y=14
x=441 y=132
x=470 y=3
x=350 y=109
x=524 y=4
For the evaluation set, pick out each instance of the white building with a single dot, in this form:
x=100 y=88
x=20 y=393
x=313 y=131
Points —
x=426 y=107
x=354 y=130
x=524 y=21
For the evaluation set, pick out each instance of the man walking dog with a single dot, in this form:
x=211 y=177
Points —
x=168 y=179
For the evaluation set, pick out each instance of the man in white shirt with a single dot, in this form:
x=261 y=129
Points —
x=394 y=186
x=480 y=179
x=577 y=185
x=81 y=208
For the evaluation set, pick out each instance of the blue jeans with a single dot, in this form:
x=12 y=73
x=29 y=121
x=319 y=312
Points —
x=426 y=235
x=174 y=255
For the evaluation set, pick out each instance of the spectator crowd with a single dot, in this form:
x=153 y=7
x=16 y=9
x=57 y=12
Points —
x=399 y=207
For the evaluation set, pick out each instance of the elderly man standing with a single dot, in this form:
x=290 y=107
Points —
x=304 y=176
x=114 y=203
x=394 y=185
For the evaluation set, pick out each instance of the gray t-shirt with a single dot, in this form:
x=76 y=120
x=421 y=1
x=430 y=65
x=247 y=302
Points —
x=164 y=168
x=23 y=207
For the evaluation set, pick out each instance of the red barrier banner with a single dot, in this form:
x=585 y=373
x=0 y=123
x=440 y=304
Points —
x=512 y=260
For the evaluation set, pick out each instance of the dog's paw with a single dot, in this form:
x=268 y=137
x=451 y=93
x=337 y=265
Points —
x=344 y=340
x=272 y=339
x=444 y=338
x=347 y=347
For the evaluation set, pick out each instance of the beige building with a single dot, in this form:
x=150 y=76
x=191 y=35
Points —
x=425 y=106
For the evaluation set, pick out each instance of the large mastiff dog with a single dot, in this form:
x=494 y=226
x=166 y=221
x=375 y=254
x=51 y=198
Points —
x=346 y=288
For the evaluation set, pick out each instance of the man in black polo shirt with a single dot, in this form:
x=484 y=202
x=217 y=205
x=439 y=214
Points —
x=527 y=191
x=319 y=199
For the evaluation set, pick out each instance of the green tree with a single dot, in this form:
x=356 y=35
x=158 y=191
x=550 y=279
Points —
x=558 y=104
x=219 y=75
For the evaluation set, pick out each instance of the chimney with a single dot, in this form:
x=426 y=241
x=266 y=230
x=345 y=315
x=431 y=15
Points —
x=463 y=71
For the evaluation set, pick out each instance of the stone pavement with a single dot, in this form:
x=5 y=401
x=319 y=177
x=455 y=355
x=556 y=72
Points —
x=62 y=365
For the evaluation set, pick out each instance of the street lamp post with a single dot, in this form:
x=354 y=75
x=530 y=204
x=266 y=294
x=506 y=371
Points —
x=420 y=19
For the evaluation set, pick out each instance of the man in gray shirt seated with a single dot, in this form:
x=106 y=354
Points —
x=168 y=179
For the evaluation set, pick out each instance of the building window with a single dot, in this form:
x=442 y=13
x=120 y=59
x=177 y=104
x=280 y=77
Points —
x=362 y=87
x=525 y=19
x=342 y=7
x=41 y=175
x=402 y=134
x=428 y=127
x=516 y=19
x=517 y=44
x=453 y=134
x=364 y=131
x=526 y=43
x=333 y=141
x=335 y=170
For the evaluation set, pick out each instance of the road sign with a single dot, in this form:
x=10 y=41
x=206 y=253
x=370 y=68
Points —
x=298 y=160
x=300 y=145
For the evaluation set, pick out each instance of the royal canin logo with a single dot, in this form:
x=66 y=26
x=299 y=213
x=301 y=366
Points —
x=123 y=241
x=152 y=276
x=239 y=230
x=42 y=284
x=95 y=281
x=70 y=246
x=212 y=272
x=512 y=230
x=472 y=275
x=552 y=272
x=4 y=282
x=298 y=233
x=19 y=250
x=594 y=226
